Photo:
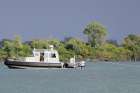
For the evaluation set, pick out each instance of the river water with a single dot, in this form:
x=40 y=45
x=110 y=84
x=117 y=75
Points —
x=100 y=77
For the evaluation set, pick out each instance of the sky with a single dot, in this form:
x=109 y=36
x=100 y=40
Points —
x=45 y=19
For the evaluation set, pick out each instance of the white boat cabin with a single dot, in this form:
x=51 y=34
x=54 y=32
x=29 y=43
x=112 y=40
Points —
x=44 y=55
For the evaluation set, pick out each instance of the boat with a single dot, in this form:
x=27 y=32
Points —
x=74 y=64
x=41 y=58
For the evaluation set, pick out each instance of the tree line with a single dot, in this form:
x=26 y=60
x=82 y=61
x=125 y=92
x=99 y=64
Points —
x=97 y=47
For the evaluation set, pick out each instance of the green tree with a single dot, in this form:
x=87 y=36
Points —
x=17 y=45
x=132 y=43
x=25 y=51
x=8 y=48
x=64 y=54
x=56 y=43
x=3 y=54
x=79 y=48
x=110 y=52
x=96 y=33
x=39 y=44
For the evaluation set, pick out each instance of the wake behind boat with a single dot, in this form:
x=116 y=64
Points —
x=42 y=58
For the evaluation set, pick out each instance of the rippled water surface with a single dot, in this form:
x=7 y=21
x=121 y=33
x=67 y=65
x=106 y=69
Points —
x=95 y=78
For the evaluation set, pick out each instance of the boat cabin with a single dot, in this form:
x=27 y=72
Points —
x=44 y=55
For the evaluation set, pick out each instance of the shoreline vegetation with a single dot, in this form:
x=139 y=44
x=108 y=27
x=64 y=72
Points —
x=96 y=48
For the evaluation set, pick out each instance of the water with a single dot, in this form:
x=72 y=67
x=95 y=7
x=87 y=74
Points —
x=95 y=78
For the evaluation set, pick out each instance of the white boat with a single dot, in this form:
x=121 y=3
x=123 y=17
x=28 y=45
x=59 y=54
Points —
x=41 y=58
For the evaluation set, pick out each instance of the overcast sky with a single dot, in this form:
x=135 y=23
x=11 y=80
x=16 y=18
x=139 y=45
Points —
x=44 y=19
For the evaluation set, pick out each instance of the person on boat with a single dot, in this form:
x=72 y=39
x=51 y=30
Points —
x=82 y=64
x=42 y=57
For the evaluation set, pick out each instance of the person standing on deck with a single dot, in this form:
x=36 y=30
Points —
x=82 y=64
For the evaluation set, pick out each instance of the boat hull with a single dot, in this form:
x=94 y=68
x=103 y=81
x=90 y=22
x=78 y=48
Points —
x=20 y=64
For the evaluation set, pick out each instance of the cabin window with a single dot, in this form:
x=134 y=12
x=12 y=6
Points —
x=53 y=55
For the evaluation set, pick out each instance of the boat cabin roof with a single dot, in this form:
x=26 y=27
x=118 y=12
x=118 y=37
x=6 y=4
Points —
x=44 y=50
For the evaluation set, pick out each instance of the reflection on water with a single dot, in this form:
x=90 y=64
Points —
x=95 y=78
